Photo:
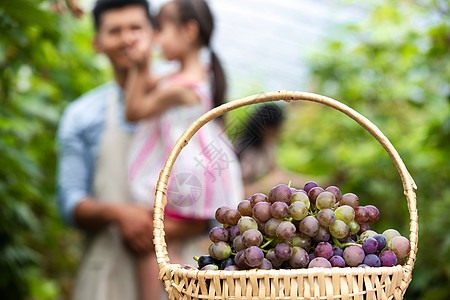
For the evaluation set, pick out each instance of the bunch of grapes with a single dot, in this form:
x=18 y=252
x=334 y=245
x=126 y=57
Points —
x=301 y=228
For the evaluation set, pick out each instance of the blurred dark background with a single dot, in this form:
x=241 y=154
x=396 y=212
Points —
x=389 y=60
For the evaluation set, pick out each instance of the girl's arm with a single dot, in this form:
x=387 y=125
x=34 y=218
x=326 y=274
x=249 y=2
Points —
x=144 y=100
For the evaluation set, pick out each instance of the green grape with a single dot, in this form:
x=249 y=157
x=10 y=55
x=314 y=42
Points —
x=354 y=227
x=389 y=234
x=339 y=229
x=325 y=200
x=298 y=210
x=246 y=223
x=345 y=213
x=271 y=227
x=302 y=197
x=301 y=240
x=367 y=234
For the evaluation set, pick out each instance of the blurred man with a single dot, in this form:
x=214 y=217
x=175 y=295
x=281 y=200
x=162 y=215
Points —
x=92 y=179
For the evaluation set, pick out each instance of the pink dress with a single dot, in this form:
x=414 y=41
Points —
x=205 y=175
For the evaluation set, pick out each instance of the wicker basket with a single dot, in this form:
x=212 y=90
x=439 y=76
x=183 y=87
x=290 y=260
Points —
x=315 y=283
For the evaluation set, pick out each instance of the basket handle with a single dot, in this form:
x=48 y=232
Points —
x=161 y=187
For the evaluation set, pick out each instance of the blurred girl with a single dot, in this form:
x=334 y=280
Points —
x=206 y=174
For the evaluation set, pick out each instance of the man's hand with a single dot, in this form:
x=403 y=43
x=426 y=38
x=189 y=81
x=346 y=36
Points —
x=139 y=51
x=136 y=225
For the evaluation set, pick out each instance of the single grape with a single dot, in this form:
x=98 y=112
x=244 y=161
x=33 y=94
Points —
x=285 y=231
x=239 y=260
x=346 y=238
x=271 y=227
x=367 y=234
x=258 y=197
x=245 y=208
x=325 y=200
x=361 y=214
x=388 y=258
x=345 y=213
x=218 y=234
x=252 y=237
x=301 y=197
x=326 y=217
x=302 y=241
x=372 y=260
x=322 y=235
x=227 y=262
x=309 y=185
x=309 y=226
x=283 y=251
x=353 y=255
x=336 y=192
x=232 y=268
x=220 y=250
x=279 y=210
x=272 y=257
x=337 y=261
x=354 y=227
x=350 y=199
x=210 y=267
x=206 y=260
x=253 y=256
x=299 y=258
x=232 y=216
x=363 y=227
x=265 y=265
x=238 y=243
x=382 y=241
x=389 y=234
x=246 y=223
x=400 y=246
x=339 y=229
x=261 y=211
x=374 y=213
x=370 y=245
x=233 y=232
x=298 y=210
x=337 y=251
x=313 y=193
x=220 y=214
x=281 y=193
x=319 y=262
x=324 y=249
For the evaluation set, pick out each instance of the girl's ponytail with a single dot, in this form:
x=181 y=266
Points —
x=218 y=82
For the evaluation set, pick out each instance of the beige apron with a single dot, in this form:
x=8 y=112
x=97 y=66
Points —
x=108 y=269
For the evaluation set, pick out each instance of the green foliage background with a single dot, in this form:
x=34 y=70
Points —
x=394 y=68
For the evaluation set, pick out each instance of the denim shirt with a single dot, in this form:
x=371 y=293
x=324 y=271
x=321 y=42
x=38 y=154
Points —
x=79 y=135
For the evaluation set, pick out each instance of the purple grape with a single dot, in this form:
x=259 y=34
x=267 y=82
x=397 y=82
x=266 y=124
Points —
x=258 y=197
x=253 y=256
x=279 y=210
x=336 y=192
x=353 y=255
x=233 y=232
x=261 y=211
x=374 y=213
x=299 y=258
x=272 y=257
x=232 y=217
x=370 y=245
x=362 y=266
x=372 y=260
x=218 y=234
x=309 y=185
x=363 y=227
x=293 y=190
x=388 y=258
x=326 y=217
x=322 y=235
x=232 y=268
x=309 y=226
x=265 y=265
x=210 y=267
x=381 y=239
x=337 y=251
x=238 y=244
x=245 y=208
x=252 y=237
x=319 y=262
x=337 y=261
x=301 y=240
x=311 y=256
x=283 y=251
x=281 y=193
x=400 y=246
x=361 y=214
x=324 y=249
x=227 y=262
x=261 y=226
x=239 y=260
x=220 y=214
x=285 y=231
x=314 y=193
x=349 y=199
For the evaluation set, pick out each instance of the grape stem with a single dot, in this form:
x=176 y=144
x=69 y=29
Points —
x=342 y=246
x=290 y=181
x=288 y=219
x=196 y=258
x=267 y=243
